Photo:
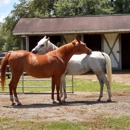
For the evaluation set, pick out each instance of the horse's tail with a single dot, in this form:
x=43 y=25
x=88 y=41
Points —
x=3 y=69
x=108 y=66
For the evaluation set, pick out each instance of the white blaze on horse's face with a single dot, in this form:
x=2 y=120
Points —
x=41 y=46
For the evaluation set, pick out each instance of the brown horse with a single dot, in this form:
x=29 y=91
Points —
x=52 y=64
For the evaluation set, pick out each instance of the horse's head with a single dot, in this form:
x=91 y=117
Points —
x=43 y=46
x=81 y=47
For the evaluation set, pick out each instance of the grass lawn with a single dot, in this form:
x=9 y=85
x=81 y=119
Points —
x=80 y=85
x=103 y=123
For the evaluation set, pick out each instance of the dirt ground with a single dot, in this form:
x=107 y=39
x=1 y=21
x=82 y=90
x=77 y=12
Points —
x=80 y=106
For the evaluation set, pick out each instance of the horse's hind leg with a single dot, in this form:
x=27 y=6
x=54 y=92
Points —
x=108 y=88
x=104 y=79
x=16 y=97
x=11 y=93
x=13 y=86
x=101 y=88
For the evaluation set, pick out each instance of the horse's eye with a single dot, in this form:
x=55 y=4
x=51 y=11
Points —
x=42 y=45
x=84 y=45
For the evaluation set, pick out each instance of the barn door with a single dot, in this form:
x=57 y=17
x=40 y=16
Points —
x=111 y=45
x=68 y=38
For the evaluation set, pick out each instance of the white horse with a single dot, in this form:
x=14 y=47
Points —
x=80 y=64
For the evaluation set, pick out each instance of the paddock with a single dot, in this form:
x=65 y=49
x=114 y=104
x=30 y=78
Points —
x=29 y=84
x=79 y=106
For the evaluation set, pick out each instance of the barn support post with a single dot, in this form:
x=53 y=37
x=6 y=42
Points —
x=120 y=52
x=21 y=42
x=27 y=43
x=72 y=84
x=82 y=37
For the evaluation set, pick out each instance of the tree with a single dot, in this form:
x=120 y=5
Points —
x=55 y=8
x=22 y=10
x=43 y=8
x=2 y=40
x=82 y=7
x=122 y=6
x=25 y=9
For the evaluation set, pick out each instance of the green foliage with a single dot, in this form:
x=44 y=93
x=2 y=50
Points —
x=81 y=7
x=2 y=40
x=122 y=6
x=54 y=8
x=43 y=8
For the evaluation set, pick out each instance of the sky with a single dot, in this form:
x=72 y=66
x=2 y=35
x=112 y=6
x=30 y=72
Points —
x=5 y=8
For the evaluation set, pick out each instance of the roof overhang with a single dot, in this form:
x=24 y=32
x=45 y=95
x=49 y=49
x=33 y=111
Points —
x=73 y=32
x=73 y=25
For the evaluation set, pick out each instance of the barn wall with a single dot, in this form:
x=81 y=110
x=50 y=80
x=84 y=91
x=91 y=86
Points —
x=68 y=38
x=111 y=45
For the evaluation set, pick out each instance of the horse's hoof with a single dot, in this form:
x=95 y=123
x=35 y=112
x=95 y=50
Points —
x=19 y=104
x=60 y=103
x=63 y=101
x=98 y=100
x=109 y=100
x=12 y=104
x=54 y=102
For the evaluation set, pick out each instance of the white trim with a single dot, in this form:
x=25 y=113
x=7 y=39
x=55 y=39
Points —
x=74 y=32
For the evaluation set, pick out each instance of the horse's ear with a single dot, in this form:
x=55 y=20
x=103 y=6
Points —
x=77 y=39
x=48 y=38
x=75 y=42
x=44 y=37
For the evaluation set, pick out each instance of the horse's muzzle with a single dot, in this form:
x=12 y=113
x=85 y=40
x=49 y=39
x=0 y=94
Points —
x=90 y=52
x=33 y=51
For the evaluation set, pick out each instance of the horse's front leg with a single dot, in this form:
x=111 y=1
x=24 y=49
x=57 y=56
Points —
x=53 y=89
x=58 y=95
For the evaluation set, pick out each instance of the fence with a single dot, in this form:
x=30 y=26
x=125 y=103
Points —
x=24 y=88
x=29 y=84
x=45 y=83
